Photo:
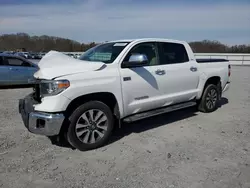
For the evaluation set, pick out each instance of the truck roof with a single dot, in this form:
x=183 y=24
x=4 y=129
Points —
x=149 y=39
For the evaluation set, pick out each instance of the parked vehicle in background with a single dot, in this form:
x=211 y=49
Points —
x=15 y=70
x=27 y=55
x=71 y=55
x=124 y=80
x=77 y=56
x=20 y=54
x=8 y=52
x=41 y=54
x=34 y=55
x=23 y=54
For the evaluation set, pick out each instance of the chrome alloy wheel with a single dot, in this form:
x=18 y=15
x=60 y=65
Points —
x=211 y=99
x=91 y=126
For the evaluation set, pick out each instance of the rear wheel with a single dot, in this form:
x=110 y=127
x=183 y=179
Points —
x=90 y=126
x=209 y=100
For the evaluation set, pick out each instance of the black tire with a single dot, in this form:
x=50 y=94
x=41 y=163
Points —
x=203 y=104
x=74 y=118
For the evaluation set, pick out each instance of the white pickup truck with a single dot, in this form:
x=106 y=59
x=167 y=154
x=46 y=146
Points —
x=126 y=80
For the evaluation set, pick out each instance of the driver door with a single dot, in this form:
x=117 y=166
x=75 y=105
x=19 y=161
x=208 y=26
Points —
x=140 y=85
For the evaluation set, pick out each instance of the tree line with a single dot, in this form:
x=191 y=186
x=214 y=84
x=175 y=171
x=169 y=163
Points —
x=44 y=43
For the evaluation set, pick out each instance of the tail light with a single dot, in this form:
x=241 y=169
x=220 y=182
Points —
x=229 y=70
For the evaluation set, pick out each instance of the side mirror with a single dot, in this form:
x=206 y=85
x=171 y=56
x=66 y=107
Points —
x=136 y=60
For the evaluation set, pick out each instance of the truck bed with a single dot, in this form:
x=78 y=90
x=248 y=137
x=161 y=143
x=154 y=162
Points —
x=211 y=60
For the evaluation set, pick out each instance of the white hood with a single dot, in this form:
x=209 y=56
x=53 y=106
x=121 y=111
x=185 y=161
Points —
x=56 y=64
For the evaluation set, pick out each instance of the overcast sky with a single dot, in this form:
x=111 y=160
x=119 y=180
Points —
x=100 y=20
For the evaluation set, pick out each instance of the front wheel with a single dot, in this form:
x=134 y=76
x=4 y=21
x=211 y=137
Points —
x=90 y=126
x=209 y=100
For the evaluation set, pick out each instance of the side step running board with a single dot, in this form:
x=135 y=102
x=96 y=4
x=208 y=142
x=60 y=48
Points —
x=158 y=111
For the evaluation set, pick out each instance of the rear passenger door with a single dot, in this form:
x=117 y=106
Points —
x=180 y=81
x=4 y=73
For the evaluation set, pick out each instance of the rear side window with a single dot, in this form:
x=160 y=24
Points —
x=17 y=62
x=173 y=53
x=14 y=61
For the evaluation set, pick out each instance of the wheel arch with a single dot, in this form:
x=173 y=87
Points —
x=216 y=80
x=107 y=98
x=212 y=80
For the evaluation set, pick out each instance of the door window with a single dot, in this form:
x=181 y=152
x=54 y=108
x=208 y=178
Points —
x=17 y=62
x=149 y=49
x=173 y=53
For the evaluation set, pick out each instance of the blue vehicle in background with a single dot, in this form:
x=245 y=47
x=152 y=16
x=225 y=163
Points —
x=16 y=70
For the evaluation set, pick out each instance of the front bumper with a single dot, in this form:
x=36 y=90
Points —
x=48 y=124
x=226 y=87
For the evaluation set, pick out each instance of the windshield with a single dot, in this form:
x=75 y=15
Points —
x=106 y=53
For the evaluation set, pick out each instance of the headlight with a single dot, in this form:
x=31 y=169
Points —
x=53 y=87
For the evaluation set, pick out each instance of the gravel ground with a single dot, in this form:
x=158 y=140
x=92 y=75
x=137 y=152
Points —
x=179 y=149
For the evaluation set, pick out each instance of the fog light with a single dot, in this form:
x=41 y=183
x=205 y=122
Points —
x=40 y=123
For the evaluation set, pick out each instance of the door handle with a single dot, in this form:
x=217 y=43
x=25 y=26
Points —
x=14 y=69
x=160 y=72
x=193 y=69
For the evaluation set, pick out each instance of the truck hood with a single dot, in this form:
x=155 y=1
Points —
x=55 y=64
